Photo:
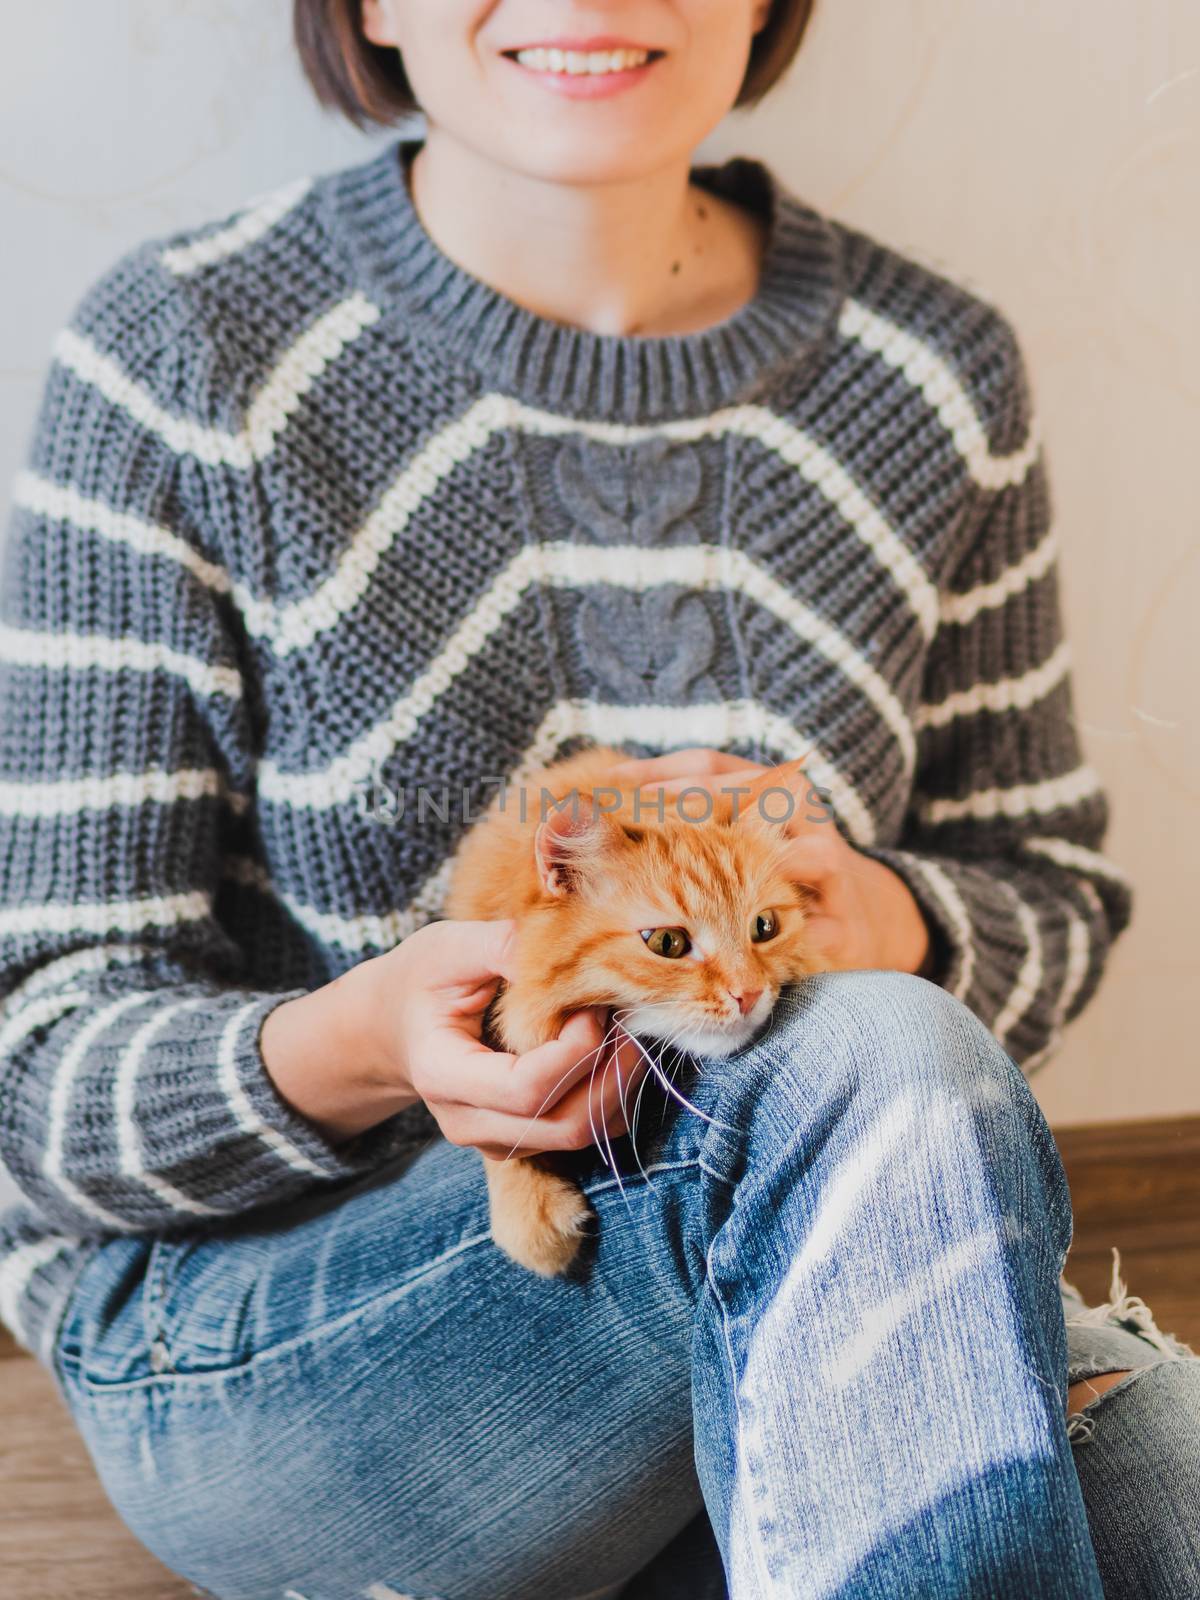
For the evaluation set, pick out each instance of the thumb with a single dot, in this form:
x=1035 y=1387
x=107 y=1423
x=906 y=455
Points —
x=469 y=951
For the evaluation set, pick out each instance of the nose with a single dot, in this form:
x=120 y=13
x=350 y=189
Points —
x=745 y=1000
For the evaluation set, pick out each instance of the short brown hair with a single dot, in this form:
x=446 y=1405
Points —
x=368 y=83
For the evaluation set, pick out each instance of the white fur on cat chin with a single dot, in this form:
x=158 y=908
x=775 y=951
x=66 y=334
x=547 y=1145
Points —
x=651 y=1021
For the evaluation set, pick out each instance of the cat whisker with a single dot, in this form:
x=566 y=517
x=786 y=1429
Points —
x=637 y=1106
x=637 y=1043
x=682 y=1098
x=646 y=1076
x=550 y=1093
x=620 y=1084
x=656 y=1070
x=715 y=1121
x=591 y=1118
x=604 y=1125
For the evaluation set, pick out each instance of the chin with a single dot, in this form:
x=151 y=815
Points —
x=702 y=1038
x=574 y=156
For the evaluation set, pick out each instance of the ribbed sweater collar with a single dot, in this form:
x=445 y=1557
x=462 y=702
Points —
x=562 y=367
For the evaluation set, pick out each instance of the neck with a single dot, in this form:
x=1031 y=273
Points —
x=648 y=255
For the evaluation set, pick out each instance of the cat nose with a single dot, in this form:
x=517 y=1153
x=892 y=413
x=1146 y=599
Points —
x=745 y=1000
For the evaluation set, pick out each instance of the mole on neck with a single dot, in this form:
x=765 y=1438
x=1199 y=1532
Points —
x=657 y=257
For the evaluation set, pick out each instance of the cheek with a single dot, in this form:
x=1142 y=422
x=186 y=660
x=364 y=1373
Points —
x=441 y=42
x=719 y=36
x=682 y=980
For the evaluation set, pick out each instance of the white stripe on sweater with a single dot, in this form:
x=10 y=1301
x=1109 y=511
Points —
x=290 y=381
x=36 y=1014
x=1007 y=694
x=1080 y=953
x=959 y=609
x=105 y=916
x=1023 y=799
x=696 y=567
x=71 y=796
x=259 y=217
x=293 y=625
x=1030 y=977
x=239 y=1102
x=16 y=1273
x=180 y=434
x=1077 y=857
x=64 y=504
x=1078 y=962
x=43 y=998
x=1079 y=956
x=925 y=371
x=76 y=652
x=1095 y=904
x=76 y=963
x=945 y=891
x=129 y=1144
x=357 y=933
x=65 y=1074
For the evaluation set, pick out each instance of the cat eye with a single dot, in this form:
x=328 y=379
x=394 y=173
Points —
x=765 y=926
x=671 y=942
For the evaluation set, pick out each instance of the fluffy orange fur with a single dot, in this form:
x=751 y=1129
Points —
x=587 y=875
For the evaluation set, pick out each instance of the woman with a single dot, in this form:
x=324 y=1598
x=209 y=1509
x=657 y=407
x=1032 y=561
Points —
x=520 y=436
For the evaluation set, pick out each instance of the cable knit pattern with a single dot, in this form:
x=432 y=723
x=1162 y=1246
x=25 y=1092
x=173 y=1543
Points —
x=313 y=518
x=655 y=645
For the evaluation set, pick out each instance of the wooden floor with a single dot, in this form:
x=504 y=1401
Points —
x=59 y=1537
x=1136 y=1185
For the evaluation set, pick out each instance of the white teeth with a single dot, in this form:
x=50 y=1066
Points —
x=575 y=63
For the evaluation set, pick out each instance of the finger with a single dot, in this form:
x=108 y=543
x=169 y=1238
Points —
x=478 y=1000
x=581 y=1112
x=591 y=1113
x=696 y=759
x=528 y=1085
x=742 y=778
x=574 y=1124
x=581 y=1118
x=727 y=778
x=501 y=1136
x=816 y=855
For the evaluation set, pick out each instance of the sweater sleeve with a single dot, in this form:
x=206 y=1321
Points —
x=1003 y=841
x=133 y=1092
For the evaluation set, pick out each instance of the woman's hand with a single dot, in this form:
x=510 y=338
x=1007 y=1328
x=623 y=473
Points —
x=864 y=914
x=406 y=1026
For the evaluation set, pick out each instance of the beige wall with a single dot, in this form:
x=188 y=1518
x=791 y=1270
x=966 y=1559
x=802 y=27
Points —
x=1045 y=152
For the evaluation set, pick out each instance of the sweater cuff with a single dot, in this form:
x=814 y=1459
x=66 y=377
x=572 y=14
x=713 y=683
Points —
x=204 y=1132
x=944 y=960
x=287 y=1130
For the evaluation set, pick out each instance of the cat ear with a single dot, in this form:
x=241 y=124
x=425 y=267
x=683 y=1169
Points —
x=775 y=795
x=569 y=842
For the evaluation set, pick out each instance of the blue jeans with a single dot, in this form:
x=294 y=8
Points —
x=816 y=1349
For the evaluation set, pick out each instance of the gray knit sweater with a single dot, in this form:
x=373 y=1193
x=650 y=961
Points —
x=314 y=519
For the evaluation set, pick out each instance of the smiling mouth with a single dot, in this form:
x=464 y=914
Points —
x=582 y=63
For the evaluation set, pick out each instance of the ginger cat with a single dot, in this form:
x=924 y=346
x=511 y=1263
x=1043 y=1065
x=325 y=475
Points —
x=689 y=927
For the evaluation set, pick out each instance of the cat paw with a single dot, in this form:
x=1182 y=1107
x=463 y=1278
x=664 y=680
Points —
x=546 y=1241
